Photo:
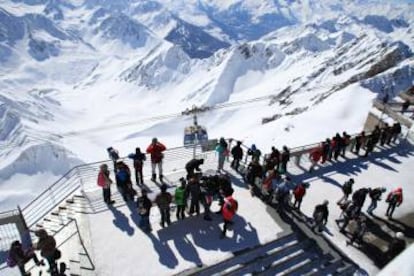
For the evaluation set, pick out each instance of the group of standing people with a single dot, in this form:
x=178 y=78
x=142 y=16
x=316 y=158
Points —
x=332 y=148
x=123 y=173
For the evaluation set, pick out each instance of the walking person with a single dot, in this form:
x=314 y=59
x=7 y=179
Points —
x=221 y=150
x=144 y=205
x=104 y=181
x=156 y=149
x=350 y=212
x=299 y=193
x=284 y=160
x=228 y=210
x=320 y=216
x=237 y=153
x=163 y=201
x=358 y=198
x=47 y=246
x=346 y=190
x=394 y=199
x=193 y=165
x=181 y=199
x=138 y=158
x=18 y=256
x=359 y=231
x=375 y=196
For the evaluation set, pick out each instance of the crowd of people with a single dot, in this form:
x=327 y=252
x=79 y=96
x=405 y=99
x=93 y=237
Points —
x=268 y=179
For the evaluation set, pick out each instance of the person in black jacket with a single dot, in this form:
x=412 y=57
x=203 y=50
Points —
x=138 y=158
x=358 y=198
x=370 y=145
x=285 y=159
x=320 y=215
x=359 y=142
x=396 y=130
x=193 y=189
x=21 y=257
x=144 y=205
x=237 y=153
x=375 y=196
x=193 y=164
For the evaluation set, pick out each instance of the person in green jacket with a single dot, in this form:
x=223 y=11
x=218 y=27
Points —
x=180 y=199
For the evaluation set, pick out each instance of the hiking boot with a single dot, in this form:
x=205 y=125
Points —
x=154 y=176
x=161 y=177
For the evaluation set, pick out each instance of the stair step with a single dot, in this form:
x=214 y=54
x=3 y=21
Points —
x=246 y=256
x=313 y=263
x=332 y=267
x=347 y=270
x=286 y=262
x=266 y=261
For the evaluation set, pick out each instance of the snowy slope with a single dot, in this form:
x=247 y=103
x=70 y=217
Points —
x=78 y=76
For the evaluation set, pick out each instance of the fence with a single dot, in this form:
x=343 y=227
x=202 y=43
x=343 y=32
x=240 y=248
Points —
x=83 y=178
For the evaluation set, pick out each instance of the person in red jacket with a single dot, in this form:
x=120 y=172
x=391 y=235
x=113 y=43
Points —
x=299 y=193
x=394 y=198
x=314 y=156
x=105 y=183
x=156 y=149
x=228 y=210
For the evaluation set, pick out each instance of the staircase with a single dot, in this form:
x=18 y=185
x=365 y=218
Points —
x=62 y=224
x=289 y=255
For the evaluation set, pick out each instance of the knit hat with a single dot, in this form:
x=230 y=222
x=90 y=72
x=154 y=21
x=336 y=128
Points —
x=399 y=235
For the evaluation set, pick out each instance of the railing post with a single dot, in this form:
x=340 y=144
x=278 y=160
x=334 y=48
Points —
x=80 y=178
x=23 y=229
x=297 y=159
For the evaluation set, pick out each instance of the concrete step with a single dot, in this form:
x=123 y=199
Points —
x=294 y=259
x=331 y=268
x=272 y=258
x=347 y=270
x=303 y=267
x=250 y=255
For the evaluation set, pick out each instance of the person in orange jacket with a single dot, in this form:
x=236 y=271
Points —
x=394 y=199
x=228 y=210
x=156 y=150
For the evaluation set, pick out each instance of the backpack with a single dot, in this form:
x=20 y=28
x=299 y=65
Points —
x=122 y=175
x=10 y=261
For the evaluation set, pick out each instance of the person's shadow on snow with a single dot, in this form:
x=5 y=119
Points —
x=166 y=255
x=206 y=234
x=121 y=221
x=134 y=212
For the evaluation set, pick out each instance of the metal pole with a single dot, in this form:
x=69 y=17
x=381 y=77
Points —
x=196 y=134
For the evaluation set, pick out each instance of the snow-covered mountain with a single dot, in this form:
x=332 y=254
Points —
x=78 y=76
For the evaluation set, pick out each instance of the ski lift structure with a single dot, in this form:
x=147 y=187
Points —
x=195 y=134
